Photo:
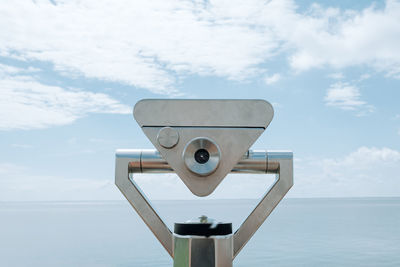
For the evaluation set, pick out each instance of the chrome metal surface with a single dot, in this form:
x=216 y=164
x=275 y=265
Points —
x=203 y=113
x=180 y=130
x=233 y=125
x=150 y=161
x=282 y=162
x=198 y=251
x=254 y=161
x=232 y=142
x=136 y=161
x=168 y=137
x=210 y=164
x=205 y=219
x=137 y=199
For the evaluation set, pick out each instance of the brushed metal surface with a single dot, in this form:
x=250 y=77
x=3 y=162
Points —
x=203 y=113
x=278 y=162
x=202 y=169
x=253 y=162
x=198 y=251
x=234 y=125
x=139 y=201
x=283 y=182
x=232 y=142
x=167 y=137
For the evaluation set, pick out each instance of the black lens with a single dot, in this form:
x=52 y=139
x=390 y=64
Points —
x=201 y=156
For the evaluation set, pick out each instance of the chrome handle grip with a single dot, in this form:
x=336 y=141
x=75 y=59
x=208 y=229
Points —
x=150 y=161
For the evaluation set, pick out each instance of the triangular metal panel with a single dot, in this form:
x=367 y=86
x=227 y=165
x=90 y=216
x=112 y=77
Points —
x=234 y=125
x=233 y=143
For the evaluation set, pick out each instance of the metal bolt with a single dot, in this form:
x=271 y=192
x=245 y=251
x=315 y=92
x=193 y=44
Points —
x=203 y=219
x=168 y=137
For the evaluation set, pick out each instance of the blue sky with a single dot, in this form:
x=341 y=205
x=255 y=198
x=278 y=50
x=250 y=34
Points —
x=71 y=71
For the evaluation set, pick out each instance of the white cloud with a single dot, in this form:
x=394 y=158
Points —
x=273 y=78
x=346 y=97
x=27 y=104
x=336 y=75
x=335 y=38
x=146 y=43
x=22 y=146
x=135 y=42
x=364 y=76
x=368 y=171
x=328 y=36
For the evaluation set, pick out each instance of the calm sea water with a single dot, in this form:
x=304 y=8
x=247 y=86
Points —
x=300 y=232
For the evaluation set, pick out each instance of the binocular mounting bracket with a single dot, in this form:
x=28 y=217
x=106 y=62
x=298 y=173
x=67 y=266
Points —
x=202 y=141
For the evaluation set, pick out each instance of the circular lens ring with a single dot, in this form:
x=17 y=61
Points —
x=201 y=156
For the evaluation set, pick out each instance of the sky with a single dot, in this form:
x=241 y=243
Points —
x=71 y=72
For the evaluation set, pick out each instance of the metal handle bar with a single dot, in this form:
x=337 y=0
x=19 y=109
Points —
x=150 y=161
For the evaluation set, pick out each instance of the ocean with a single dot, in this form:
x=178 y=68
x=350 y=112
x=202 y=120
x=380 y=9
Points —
x=300 y=232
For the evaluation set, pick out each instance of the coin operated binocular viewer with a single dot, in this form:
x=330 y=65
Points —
x=202 y=141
